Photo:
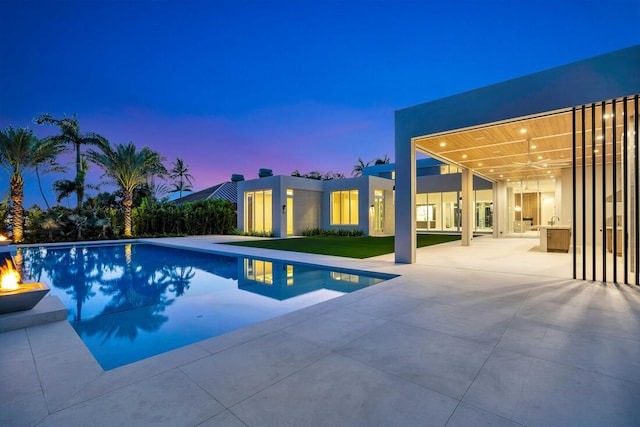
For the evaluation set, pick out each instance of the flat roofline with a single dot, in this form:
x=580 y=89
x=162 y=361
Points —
x=603 y=77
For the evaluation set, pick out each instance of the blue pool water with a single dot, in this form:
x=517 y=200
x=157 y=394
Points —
x=131 y=301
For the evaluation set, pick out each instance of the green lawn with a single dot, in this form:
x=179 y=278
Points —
x=351 y=247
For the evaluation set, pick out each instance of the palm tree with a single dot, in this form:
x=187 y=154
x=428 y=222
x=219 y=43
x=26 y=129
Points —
x=129 y=169
x=20 y=151
x=359 y=167
x=49 y=165
x=70 y=134
x=382 y=160
x=64 y=188
x=180 y=173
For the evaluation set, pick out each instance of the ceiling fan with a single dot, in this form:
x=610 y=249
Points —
x=539 y=164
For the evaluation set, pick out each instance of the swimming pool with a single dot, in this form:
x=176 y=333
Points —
x=131 y=301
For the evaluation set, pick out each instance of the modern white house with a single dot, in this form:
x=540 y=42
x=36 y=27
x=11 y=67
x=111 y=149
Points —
x=288 y=205
x=560 y=148
x=438 y=196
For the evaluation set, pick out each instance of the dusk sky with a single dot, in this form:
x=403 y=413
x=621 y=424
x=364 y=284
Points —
x=234 y=86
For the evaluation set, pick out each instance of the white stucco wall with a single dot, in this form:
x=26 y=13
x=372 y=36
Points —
x=366 y=185
x=309 y=199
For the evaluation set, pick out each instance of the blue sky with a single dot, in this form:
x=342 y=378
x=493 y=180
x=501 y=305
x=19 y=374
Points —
x=234 y=86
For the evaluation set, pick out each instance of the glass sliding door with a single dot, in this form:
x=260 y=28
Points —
x=257 y=214
x=450 y=211
x=289 y=212
x=378 y=211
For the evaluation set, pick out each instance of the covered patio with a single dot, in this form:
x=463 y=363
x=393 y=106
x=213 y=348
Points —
x=561 y=149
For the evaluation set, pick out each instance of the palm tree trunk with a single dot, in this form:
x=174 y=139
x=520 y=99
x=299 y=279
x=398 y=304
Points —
x=79 y=179
x=17 y=212
x=127 y=202
x=40 y=187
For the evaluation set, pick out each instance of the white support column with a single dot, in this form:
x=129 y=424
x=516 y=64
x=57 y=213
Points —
x=468 y=208
x=500 y=218
x=405 y=240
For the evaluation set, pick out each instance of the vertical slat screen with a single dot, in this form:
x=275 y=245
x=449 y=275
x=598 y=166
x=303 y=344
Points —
x=573 y=176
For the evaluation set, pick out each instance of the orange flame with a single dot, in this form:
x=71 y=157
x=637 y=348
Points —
x=9 y=277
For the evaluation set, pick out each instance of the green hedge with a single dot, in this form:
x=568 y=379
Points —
x=198 y=218
x=339 y=232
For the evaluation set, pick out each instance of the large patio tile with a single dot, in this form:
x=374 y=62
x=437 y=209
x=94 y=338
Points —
x=53 y=338
x=169 y=399
x=18 y=377
x=337 y=391
x=25 y=412
x=120 y=377
x=15 y=340
x=384 y=305
x=506 y=303
x=466 y=415
x=335 y=328
x=419 y=290
x=310 y=312
x=63 y=374
x=441 y=362
x=224 y=419
x=234 y=374
x=617 y=357
x=561 y=291
x=484 y=326
x=580 y=317
x=538 y=392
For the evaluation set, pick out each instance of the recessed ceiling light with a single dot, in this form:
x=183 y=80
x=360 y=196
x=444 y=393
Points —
x=442 y=144
x=608 y=116
x=600 y=137
x=544 y=165
x=540 y=157
x=464 y=156
x=508 y=179
x=479 y=164
x=596 y=151
x=523 y=131
x=490 y=170
x=548 y=171
x=533 y=147
x=551 y=176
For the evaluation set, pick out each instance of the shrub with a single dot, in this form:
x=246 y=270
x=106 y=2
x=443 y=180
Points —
x=340 y=232
x=255 y=233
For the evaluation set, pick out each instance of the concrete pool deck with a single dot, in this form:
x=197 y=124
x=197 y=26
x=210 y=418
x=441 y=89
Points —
x=493 y=334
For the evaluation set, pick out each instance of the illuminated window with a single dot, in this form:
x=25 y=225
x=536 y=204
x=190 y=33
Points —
x=289 y=209
x=345 y=277
x=289 y=274
x=257 y=213
x=378 y=211
x=344 y=207
x=258 y=270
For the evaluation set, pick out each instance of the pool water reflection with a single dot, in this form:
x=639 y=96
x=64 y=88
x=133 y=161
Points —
x=132 y=301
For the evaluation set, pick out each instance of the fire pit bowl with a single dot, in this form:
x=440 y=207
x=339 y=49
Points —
x=24 y=298
x=16 y=296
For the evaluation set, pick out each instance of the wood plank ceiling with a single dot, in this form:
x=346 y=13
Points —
x=526 y=149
